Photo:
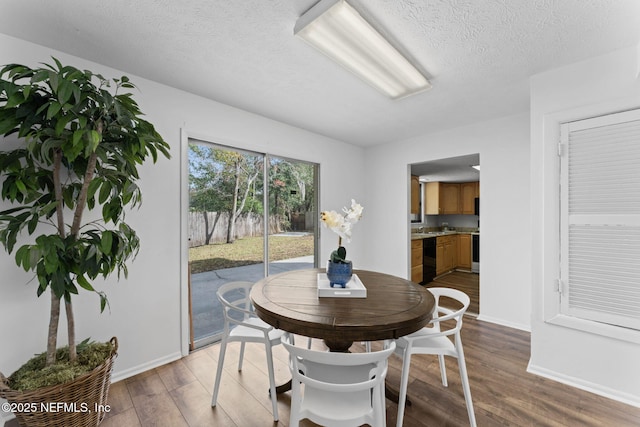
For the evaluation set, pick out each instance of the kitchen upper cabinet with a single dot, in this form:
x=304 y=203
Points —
x=450 y=199
x=441 y=198
x=464 y=251
x=468 y=193
x=415 y=195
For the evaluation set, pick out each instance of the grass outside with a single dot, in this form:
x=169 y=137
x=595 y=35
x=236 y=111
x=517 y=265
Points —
x=248 y=251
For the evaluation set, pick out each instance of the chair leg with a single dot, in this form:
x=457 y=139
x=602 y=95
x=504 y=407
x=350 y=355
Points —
x=216 y=387
x=241 y=356
x=294 y=416
x=443 y=370
x=465 y=386
x=404 y=383
x=380 y=407
x=272 y=381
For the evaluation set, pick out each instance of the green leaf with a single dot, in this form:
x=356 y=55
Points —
x=62 y=122
x=53 y=109
x=94 y=140
x=65 y=90
x=106 y=241
x=23 y=257
x=93 y=187
x=14 y=100
x=53 y=80
x=8 y=121
x=33 y=223
x=103 y=302
x=84 y=283
x=77 y=137
x=105 y=191
x=20 y=185
x=40 y=76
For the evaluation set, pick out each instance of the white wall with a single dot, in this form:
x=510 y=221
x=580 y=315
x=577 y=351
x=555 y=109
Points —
x=563 y=348
x=146 y=307
x=503 y=145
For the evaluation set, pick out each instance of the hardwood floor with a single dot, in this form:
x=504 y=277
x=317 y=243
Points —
x=504 y=394
x=469 y=283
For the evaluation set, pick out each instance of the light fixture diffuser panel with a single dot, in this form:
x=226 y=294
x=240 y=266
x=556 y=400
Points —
x=341 y=33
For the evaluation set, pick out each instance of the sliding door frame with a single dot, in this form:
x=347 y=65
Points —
x=185 y=137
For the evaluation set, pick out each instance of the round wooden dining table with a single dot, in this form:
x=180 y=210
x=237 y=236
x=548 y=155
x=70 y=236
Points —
x=393 y=307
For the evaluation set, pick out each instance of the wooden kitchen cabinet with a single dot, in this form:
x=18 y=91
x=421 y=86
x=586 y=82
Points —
x=468 y=193
x=446 y=253
x=450 y=198
x=440 y=256
x=445 y=198
x=416 y=260
x=464 y=251
x=415 y=195
x=442 y=198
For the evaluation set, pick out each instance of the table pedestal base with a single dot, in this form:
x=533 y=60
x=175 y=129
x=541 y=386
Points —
x=338 y=345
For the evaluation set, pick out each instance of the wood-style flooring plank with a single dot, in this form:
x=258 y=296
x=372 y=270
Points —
x=503 y=392
x=194 y=403
x=469 y=283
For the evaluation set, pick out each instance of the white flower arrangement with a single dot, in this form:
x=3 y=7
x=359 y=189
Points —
x=342 y=224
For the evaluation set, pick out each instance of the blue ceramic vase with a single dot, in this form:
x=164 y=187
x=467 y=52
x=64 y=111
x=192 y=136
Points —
x=339 y=274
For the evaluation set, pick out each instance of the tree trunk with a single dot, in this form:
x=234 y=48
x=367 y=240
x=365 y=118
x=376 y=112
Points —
x=215 y=222
x=207 y=235
x=71 y=331
x=52 y=340
x=231 y=228
x=54 y=317
x=75 y=230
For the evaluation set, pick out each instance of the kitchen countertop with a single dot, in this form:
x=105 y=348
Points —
x=431 y=234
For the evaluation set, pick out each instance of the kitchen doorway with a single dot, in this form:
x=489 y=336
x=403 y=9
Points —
x=249 y=215
x=445 y=208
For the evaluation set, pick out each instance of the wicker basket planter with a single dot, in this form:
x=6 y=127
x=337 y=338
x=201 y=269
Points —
x=78 y=403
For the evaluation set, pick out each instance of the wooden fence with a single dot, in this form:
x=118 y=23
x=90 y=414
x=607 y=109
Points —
x=246 y=226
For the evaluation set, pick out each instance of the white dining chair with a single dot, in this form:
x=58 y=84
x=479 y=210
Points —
x=337 y=389
x=436 y=339
x=241 y=325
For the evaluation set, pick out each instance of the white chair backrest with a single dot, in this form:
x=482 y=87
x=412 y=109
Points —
x=338 y=372
x=442 y=314
x=234 y=297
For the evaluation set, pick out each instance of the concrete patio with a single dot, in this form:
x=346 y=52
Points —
x=207 y=315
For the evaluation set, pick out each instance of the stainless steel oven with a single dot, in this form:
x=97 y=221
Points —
x=475 y=253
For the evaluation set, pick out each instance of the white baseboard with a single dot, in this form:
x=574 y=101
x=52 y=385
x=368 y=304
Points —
x=124 y=374
x=598 y=389
x=526 y=328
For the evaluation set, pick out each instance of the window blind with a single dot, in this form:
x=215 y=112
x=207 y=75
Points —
x=600 y=219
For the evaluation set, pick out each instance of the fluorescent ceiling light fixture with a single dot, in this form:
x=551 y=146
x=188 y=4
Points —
x=340 y=32
x=476 y=167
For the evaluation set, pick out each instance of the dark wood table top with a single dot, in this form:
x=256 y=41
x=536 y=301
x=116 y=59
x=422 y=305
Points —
x=393 y=307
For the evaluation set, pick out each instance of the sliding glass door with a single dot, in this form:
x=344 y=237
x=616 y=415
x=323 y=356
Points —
x=250 y=215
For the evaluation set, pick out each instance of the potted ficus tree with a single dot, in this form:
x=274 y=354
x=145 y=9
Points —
x=75 y=143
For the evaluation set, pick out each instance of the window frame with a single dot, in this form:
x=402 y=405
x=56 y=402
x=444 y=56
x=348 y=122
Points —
x=551 y=307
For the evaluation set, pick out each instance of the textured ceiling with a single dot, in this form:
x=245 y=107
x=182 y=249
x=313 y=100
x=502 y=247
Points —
x=477 y=53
